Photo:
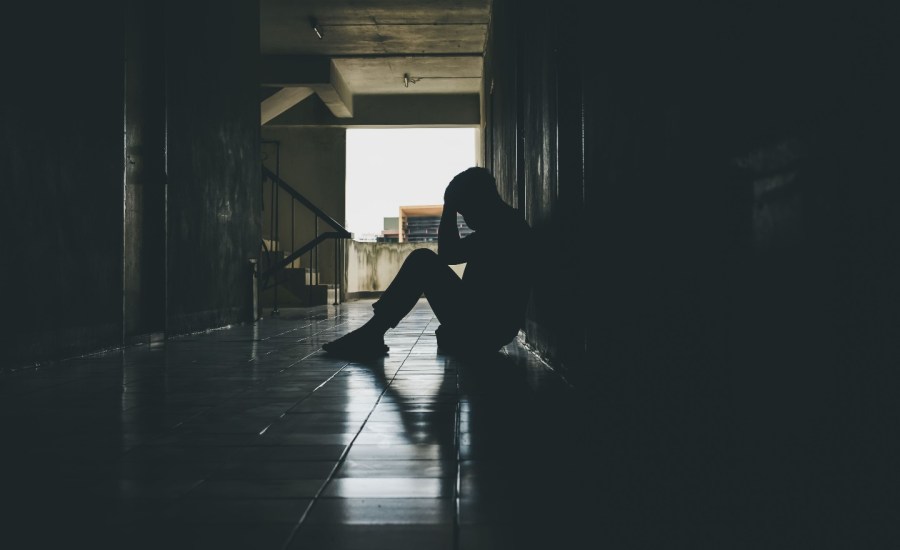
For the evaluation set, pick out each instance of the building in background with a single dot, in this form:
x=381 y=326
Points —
x=419 y=224
x=391 y=231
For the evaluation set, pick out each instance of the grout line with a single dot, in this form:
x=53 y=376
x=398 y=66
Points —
x=346 y=451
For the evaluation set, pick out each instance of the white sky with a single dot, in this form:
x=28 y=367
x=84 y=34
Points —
x=389 y=168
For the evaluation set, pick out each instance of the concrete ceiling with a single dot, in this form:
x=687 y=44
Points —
x=435 y=75
x=370 y=49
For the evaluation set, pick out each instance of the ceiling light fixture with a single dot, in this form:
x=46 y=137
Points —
x=315 y=27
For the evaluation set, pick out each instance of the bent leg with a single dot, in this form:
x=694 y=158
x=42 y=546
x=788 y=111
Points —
x=423 y=272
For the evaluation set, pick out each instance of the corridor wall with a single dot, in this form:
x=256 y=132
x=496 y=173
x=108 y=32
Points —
x=714 y=197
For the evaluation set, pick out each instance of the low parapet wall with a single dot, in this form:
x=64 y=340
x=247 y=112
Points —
x=372 y=266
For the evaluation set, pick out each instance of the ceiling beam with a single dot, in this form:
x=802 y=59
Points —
x=281 y=101
x=336 y=95
x=407 y=110
x=315 y=72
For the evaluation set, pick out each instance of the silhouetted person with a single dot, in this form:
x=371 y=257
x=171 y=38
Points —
x=483 y=310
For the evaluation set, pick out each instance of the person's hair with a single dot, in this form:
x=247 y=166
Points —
x=476 y=185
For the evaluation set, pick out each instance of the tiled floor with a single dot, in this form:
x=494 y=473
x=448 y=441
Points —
x=251 y=437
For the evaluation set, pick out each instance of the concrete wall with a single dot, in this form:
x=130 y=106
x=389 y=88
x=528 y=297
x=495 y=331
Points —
x=314 y=162
x=722 y=184
x=213 y=161
x=372 y=266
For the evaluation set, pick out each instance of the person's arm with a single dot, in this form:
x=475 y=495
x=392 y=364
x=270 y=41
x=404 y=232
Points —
x=450 y=247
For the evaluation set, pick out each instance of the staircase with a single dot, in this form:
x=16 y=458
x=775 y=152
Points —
x=296 y=284
x=283 y=280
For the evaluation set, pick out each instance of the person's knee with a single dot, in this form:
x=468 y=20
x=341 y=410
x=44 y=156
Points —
x=422 y=257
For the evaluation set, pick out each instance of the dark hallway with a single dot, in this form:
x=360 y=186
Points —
x=249 y=437
x=710 y=356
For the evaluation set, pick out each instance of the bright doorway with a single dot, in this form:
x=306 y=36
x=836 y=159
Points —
x=390 y=168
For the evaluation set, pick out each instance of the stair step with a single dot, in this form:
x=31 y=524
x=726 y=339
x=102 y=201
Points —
x=269 y=259
x=305 y=296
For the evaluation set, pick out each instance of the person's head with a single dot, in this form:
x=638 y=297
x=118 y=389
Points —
x=475 y=195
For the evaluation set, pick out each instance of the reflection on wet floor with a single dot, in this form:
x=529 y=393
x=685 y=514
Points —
x=251 y=437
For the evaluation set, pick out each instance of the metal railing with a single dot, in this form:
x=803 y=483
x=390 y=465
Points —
x=270 y=275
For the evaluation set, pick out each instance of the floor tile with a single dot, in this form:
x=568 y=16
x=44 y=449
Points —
x=306 y=469
x=397 y=468
x=292 y=453
x=382 y=511
x=257 y=488
x=400 y=452
x=237 y=510
x=373 y=537
x=381 y=487
x=266 y=536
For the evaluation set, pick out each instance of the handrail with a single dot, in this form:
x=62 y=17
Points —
x=339 y=229
x=299 y=252
x=339 y=234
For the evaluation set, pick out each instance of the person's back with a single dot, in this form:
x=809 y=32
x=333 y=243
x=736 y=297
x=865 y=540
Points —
x=497 y=275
